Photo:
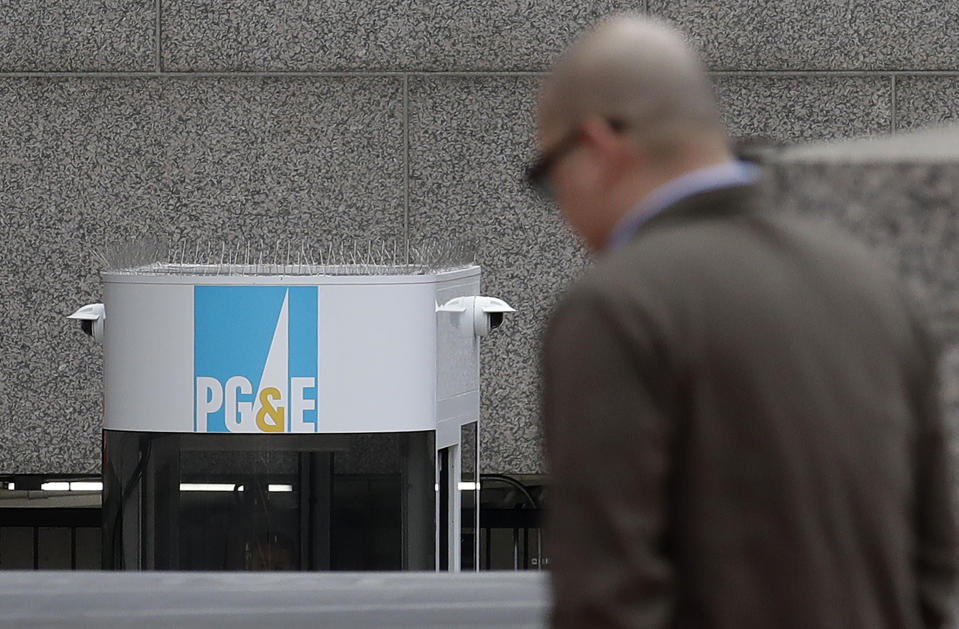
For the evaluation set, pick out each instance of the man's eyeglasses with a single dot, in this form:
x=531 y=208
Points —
x=537 y=173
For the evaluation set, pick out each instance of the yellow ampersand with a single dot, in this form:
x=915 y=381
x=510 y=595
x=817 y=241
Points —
x=276 y=414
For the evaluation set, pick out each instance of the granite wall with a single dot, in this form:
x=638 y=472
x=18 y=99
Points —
x=899 y=196
x=409 y=119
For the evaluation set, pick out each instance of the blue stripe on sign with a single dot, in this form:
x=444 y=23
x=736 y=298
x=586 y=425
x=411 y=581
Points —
x=303 y=347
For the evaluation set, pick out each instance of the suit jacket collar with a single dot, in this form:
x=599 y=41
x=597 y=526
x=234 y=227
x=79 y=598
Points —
x=724 y=202
x=690 y=184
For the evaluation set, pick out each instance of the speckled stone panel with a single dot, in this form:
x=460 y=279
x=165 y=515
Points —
x=470 y=140
x=72 y=35
x=90 y=162
x=926 y=100
x=400 y=35
x=909 y=215
x=274 y=160
x=819 y=34
x=792 y=109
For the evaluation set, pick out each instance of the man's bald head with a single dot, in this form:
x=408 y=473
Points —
x=639 y=72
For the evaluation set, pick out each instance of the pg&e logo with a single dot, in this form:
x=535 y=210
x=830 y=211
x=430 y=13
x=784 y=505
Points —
x=255 y=359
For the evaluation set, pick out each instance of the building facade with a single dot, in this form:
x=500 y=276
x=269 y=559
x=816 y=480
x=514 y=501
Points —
x=299 y=123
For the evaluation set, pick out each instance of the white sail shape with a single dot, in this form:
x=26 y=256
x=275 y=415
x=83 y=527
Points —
x=273 y=416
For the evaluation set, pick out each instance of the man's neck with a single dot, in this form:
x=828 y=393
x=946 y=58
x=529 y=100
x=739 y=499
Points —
x=638 y=186
x=722 y=174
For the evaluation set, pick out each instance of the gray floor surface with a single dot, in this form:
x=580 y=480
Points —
x=88 y=600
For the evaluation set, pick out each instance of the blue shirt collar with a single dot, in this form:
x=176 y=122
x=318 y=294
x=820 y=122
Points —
x=726 y=175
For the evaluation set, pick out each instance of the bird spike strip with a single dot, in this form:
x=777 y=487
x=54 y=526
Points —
x=252 y=257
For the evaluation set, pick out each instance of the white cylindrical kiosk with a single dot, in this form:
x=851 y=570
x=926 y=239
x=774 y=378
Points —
x=290 y=416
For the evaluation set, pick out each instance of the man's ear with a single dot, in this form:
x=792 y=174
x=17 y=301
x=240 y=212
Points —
x=596 y=131
x=615 y=148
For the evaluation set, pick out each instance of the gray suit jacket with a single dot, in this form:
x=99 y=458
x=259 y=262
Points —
x=744 y=432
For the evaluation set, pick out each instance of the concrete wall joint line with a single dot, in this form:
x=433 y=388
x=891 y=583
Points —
x=199 y=75
x=265 y=74
x=406 y=168
x=450 y=74
x=158 y=27
x=833 y=73
x=894 y=106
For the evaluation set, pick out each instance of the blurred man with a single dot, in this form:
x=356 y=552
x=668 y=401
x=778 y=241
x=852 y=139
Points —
x=741 y=413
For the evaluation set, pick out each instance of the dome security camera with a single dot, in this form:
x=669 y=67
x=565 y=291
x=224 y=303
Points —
x=478 y=315
x=91 y=318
